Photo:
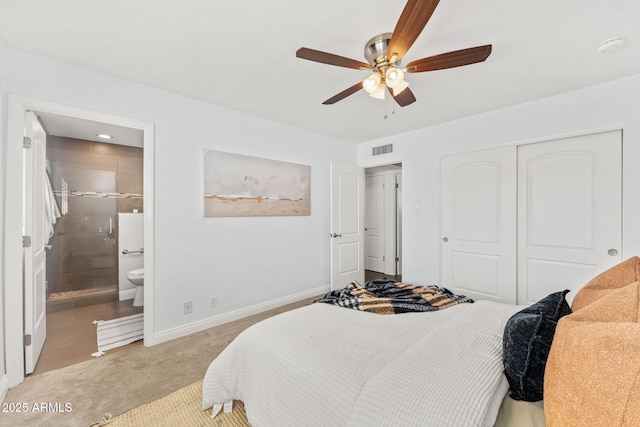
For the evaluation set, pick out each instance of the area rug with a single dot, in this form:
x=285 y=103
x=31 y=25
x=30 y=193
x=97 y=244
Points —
x=180 y=408
x=121 y=331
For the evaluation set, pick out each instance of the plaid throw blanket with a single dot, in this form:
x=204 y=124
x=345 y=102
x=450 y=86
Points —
x=389 y=297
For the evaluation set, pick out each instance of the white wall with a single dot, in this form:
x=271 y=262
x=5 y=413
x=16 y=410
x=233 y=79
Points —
x=606 y=106
x=130 y=237
x=243 y=261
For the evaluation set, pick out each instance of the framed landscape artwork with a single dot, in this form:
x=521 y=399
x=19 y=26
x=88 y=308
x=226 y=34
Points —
x=237 y=185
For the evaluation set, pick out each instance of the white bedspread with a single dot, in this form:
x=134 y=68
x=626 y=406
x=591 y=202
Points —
x=323 y=365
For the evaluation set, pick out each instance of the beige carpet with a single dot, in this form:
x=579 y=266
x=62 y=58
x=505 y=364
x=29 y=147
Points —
x=180 y=408
x=122 y=379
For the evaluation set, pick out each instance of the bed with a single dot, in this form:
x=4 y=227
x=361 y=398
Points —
x=328 y=365
x=324 y=365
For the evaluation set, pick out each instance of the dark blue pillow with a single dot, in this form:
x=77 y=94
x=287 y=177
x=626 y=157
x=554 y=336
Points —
x=527 y=340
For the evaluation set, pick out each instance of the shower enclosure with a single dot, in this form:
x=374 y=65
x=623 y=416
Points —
x=92 y=182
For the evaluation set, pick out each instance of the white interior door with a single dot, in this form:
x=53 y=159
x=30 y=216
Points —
x=347 y=224
x=570 y=219
x=374 y=224
x=35 y=228
x=478 y=221
x=398 y=207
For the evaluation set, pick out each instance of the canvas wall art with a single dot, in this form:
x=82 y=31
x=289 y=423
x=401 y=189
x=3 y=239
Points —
x=238 y=185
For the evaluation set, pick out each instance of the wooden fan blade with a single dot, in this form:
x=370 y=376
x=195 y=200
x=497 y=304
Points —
x=404 y=98
x=342 y=95
x=453 y=59
x=330 y=58
x=412 y=21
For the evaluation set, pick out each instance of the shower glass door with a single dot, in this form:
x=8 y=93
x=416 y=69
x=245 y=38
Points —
x=84 y=251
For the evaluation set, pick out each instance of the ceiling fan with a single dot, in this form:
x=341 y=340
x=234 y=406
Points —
x=384 y=53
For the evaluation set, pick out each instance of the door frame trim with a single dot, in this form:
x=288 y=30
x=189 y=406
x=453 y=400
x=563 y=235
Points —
x=13 y=281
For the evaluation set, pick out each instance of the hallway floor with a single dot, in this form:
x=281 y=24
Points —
x=71 y=334
x=374 y=275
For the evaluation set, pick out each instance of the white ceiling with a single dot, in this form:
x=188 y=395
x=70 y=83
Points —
x=241 y=54
x=88 y=130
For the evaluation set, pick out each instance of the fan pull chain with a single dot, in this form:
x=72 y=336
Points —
x=386 y=105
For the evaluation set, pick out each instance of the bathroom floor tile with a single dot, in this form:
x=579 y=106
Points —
x=71 y=333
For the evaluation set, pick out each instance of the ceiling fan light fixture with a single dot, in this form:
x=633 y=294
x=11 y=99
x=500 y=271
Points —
x=394 y=77
x=385 y=52
x=372 y=83
x=379 y=93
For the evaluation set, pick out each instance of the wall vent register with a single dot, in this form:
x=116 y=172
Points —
x=382 y=149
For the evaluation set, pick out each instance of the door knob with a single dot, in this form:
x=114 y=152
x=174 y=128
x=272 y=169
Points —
x=612 y=252
x=445 y=239
x=336 y=235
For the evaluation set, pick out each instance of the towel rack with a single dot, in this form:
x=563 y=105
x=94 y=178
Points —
x=127 y=251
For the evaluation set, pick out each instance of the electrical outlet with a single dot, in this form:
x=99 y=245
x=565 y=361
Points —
x=188 y=307
x=213 y=301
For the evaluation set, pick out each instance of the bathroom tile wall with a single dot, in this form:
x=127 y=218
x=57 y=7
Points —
x=92 y=182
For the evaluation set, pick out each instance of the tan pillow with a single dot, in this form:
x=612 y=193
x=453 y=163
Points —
x=616 y=277
x=592 y=376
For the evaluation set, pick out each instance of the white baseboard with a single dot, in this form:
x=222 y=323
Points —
x=221 y=319
x=4 y=387
x=127 y=294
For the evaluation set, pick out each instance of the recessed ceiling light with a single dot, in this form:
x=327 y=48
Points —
x=104 y=136
x=612 y=45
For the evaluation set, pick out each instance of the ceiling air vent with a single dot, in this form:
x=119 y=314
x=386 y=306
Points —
x=382 y=149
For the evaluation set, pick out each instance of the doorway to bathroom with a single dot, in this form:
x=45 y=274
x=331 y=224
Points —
x=96 y=177
x=93 y=222
x=25 y=299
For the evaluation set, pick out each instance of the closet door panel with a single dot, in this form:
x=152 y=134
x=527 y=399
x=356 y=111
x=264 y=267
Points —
x=569 y=212
x=478 y=224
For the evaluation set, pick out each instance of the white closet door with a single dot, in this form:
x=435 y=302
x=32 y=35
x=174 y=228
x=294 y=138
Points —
x=478 y=204
x=569 y=212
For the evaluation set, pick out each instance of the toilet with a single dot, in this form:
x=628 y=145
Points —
x=137 y=278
